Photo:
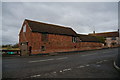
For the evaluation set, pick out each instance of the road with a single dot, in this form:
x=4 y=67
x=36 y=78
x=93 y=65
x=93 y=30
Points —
x=88 y=64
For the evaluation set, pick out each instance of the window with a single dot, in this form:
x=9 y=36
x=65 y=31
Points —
x=113 y=38
x=24 y=28
x=24 y=43
x=43 y=48
x=44 y=37
x=73 y=39
x=105 y=44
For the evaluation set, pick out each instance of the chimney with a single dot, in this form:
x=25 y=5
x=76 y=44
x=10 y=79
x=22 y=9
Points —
x=93 y=32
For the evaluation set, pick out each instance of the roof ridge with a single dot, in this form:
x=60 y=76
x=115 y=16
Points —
x=50 y=28
x=85 y=35
x=48 y=23
x=105 y=32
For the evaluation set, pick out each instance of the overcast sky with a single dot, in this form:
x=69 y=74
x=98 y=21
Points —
x=80 y=16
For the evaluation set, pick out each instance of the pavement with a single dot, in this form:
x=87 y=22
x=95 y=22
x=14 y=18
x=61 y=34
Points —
x=117 y=61
x=88 y=64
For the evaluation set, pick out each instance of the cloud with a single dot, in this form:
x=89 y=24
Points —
x=83 y=17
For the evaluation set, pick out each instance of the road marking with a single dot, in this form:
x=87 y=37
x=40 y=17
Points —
x=99 y=62
x=60 y=71
x=87 y=65
x=35 y=75
x=54 y=72
x=98 y=65
x=88 y=54
x=47 y=60
x=62 y=58
x=41 y=60
x=105 y=60
x=93 y=54
x=64 y=69
x=81 y=67
x=67 y=69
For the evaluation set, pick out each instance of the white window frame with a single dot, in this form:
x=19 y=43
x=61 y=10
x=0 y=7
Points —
x=74 y=39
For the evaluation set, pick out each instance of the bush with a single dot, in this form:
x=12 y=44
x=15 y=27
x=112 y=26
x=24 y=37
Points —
x=101 y=39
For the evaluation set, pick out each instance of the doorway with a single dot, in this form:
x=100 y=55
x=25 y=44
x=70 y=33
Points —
x=30 y=50
x=24 y=48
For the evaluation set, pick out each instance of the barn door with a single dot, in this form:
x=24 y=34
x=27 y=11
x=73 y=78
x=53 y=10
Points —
x=24 y=48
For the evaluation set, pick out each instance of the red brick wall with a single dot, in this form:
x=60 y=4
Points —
x=55 y=43
x=59 y=43
x=27 y=36
x=24 y=37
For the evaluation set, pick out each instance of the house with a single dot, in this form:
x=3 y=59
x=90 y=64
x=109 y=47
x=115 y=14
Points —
x=88 y=38
x=40 y=38
x=89 y=42
x=111 y=38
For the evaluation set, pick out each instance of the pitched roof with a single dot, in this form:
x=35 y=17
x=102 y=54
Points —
x=88 y=38
x=107 y=34
x=50 y=28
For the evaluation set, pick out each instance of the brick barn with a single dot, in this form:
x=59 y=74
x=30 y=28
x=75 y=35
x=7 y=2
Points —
x=40 y=38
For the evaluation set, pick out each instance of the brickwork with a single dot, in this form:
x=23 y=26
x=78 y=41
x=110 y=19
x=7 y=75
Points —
x=55 y=43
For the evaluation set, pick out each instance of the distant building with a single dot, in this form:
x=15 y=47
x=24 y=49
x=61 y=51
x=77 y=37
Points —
x=88 y=38
x=111 y=38
x=39 y=38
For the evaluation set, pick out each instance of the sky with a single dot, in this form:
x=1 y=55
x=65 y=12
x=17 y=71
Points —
x=83 y=17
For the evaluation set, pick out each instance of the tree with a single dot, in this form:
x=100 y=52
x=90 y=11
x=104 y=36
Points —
x=15 y=45
x=6 y=46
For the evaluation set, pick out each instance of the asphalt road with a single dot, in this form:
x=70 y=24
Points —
x=88 y=64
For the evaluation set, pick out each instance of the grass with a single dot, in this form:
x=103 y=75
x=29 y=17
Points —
x=10 y=49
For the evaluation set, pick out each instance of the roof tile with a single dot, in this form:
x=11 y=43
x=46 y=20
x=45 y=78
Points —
x=50 y=28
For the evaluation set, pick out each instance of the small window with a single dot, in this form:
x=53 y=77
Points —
x=43 y=48
x=73 y=39
x=24 y=43
x=24 y=28
x=44 y=37
x=105 y=44
x=113 y=38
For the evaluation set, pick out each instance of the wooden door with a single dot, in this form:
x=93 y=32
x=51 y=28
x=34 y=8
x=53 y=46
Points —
x=24 y=48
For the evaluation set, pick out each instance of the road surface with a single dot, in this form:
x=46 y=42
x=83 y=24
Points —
x=88 y=64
